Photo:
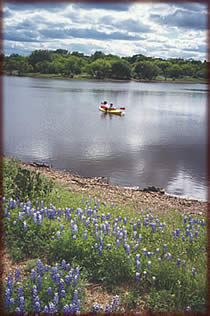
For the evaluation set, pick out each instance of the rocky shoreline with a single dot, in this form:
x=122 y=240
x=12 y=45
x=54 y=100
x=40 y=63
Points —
x=138 y=199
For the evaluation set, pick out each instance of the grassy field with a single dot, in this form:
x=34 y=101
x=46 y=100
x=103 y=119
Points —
x=145 y=262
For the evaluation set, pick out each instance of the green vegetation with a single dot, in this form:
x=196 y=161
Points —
x=159 y=260
x=61 y=63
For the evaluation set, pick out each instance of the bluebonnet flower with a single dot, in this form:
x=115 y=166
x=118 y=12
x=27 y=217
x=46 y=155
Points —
x=168 y=256
x=109 y=246
x=137 y=256
x=154 y=279
x=56 y=300
x=144 y=273
x=39 y=281
x=144 y=252
x=17 y=275
x=159 y=260
x=134 y=235
x=115 y=303
x=97 y=308
x=157 y=250
x=139 y=239
x=46 y=310
x=185 y=219
x=178 y=262
x=49 y=291
x=39 y=267
x=63 y=293
x=17 y=311
x=33 y=275
x=22 y=303
x=117 y=243
x=100 y=249
x=193 y=272
x=8 y=294
x=137 y=276
x=138 y=264
x=108 y=309
x=66 y=309
x=74 y=237
x=135 y=247
x=25 y=226
x=101 y=240
x=127 y=249
x=52 y=308
x=164 y=248
x=10 y=281
x=124 y=220
x=149 y=254
x=14 y=223
x=149 y=264
x=183 y=238
x=191 y=237
x=19 y=293
x=34 y=293
x=188 y=309
x=196 y=234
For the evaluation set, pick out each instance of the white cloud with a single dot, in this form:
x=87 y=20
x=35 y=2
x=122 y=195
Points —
x=123 y=29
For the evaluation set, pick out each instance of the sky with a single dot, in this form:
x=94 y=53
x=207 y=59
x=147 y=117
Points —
x=157 y=30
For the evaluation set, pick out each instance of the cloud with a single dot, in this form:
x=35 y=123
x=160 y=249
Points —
x=52 y=7
x=27 y=36
x=182 y=19
x=133 y=26
x=103 y=6
x=58 y=33
x=195 y=7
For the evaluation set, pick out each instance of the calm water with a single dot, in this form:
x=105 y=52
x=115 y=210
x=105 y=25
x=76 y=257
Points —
x=160 y=141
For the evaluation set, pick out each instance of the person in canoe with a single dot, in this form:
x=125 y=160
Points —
x=112 y=107
x=105 y=103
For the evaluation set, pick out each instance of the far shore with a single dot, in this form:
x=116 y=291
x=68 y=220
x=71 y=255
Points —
x=111 y=79
x=159 y=202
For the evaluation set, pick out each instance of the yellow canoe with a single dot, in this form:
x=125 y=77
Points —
x=114 y=111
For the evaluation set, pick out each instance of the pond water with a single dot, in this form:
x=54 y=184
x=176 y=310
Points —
x=161 y=139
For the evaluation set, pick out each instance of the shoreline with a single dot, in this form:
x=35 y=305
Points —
x=159 y=202
x=111 y=80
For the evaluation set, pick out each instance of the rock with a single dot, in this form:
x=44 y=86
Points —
x=153 y=189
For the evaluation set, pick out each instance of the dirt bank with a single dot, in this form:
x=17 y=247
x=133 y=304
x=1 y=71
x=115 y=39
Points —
x=97 y=187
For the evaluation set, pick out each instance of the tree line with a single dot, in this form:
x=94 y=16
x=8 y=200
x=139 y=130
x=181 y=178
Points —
x=61 y=62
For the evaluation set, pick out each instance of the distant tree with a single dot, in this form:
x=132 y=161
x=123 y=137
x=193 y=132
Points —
x=163 y=65
x=146 y=70
x=120 y=70
x=39 y=56
x=100 y=68
x=174 y=71
x=61 y=51
x=97 y=55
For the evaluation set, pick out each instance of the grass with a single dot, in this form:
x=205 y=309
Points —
x=159 y=260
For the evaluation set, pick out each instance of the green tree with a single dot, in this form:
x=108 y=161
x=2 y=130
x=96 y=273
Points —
x=163 y=65
x=99 y=68
x=120 y=70
x=39 y=56
x=146 y=70
x=174 y=71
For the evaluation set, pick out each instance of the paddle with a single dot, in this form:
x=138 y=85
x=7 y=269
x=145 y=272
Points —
x=122 y=108
x=103 y=107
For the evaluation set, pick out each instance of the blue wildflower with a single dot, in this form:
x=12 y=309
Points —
x=17 y=275
x=138 y=264
x=137 y=276
x=193 y=272
x=22 y=303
